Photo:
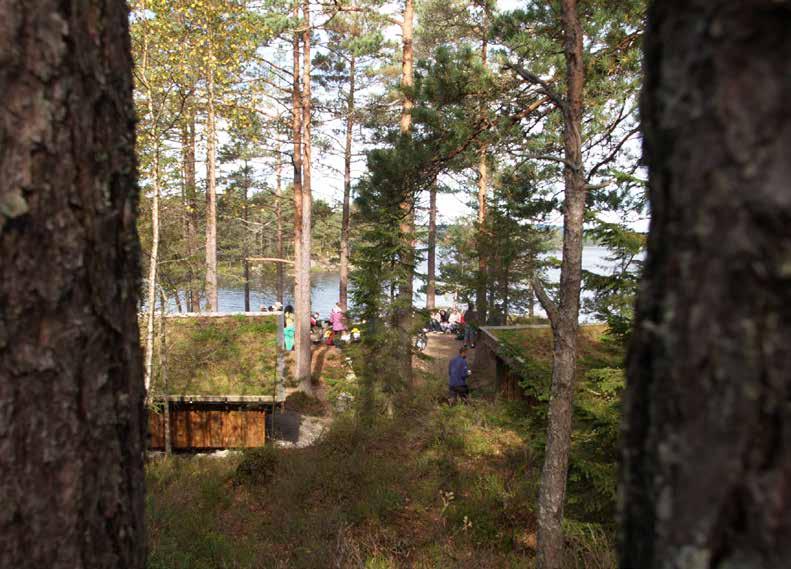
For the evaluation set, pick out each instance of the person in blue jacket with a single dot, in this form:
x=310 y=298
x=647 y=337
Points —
x=457 y=376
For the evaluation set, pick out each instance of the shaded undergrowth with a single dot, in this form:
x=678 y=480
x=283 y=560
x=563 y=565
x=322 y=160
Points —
x=434 y=486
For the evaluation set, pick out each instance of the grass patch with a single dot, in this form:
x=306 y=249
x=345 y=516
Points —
x=433 y=486
x=364 y=496
x=232 y=355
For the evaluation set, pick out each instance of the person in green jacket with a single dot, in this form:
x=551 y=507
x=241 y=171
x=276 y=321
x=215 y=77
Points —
x=288 y=329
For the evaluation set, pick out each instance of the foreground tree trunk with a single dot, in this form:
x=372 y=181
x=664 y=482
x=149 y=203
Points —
x=552 y=494
x=431 y=283
x=347 y=189
x=706 y=464
x=71 y=379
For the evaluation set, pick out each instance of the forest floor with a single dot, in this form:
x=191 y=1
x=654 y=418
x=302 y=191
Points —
x=302 y=419
x=433 y=486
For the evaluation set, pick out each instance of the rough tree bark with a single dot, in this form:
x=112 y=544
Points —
x=302 y=266
x=245 y=246
x=296 y=157
x=706 y=463
x=71 y=379
x=347 y=188
x=300 y=276
x=564 y=317
x=483 y=188
x=212 y=304
x=280 y=283
x=407 y=225
x=431 y=283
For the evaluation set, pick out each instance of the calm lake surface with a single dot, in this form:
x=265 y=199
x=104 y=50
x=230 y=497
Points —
x=325 y=287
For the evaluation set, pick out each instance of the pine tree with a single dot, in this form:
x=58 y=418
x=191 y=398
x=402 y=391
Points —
x=72 y=427
x=705 y=461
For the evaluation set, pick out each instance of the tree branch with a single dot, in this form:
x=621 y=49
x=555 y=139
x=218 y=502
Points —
x=536 y=80
x=547 y=303
x=611 y=156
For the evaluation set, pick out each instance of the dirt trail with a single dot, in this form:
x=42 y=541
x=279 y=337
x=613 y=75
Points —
x=292 y=429
x=442 y=348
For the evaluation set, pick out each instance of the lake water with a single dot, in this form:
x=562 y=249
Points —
x=325 y=287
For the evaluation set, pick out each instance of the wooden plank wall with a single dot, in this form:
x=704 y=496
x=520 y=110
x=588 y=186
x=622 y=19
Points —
x=201 y=426
x=487 y=357
x=508 y=382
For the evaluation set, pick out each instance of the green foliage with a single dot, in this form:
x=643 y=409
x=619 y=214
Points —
x=614 y=294
x=219 y=356
x=257 y=466
x=185 y=500
x=592 y=480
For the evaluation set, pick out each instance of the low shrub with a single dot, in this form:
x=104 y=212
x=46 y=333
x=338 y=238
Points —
x=301 y=402
x=257 y=466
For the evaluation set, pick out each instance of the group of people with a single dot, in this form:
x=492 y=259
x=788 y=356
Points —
x=331 y=331
x=446 y=321
x=453 y=321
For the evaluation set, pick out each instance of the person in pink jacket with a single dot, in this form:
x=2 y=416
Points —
x=336 y=320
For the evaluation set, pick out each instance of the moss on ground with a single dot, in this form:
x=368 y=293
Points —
x=232 y=355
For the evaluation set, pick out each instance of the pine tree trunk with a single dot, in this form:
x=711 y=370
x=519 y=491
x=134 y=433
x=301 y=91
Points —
x=280 y=284
x=302 y=293
x=407 y=225
x=407 y=66
x=482 y=281
x=531 y=303
x=706 y=463
x=483 y=188
x=72 y=419
x=347 y=189
x=299 y=205
x=245 y=246
x=190 y=211
x=431 y=284
x=552 y=494
x=212 y=304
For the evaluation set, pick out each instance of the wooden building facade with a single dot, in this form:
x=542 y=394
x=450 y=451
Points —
x=203 y=423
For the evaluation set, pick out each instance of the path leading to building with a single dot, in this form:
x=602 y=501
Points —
x=294 y=429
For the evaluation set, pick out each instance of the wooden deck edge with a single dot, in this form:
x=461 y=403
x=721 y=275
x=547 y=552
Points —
x=232 y=399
